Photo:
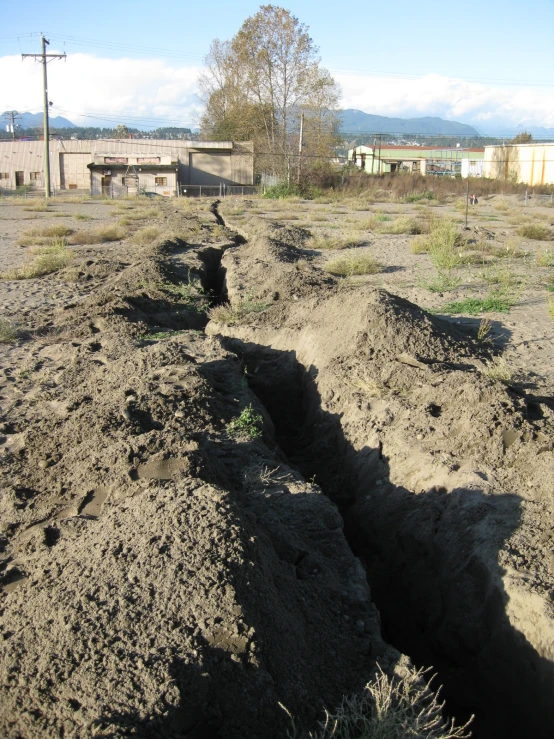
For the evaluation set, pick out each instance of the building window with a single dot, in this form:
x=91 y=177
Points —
x=4 y=176
x=161 y=180
x=34 y=175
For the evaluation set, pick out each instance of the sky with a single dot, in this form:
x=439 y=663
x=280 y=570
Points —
x=488 y=64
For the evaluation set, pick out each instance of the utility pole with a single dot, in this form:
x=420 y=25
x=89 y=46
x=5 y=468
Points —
x=300 y=147
x=11 y=117
x=44 y=60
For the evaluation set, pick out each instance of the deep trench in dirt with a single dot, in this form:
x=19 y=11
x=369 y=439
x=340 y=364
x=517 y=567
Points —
x=311 y=440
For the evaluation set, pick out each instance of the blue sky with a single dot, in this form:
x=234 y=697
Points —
x=490 y=63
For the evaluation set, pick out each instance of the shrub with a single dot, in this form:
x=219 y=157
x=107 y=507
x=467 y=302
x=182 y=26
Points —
x=82 y=217
x=282 y=191
x=358 y=264
x=536 y=231
x=8 y=332
x=442 y=282
x=499 y=370
x=443 y=244
x=545 y=258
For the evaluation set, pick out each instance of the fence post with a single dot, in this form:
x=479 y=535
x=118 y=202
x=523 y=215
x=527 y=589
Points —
x=242 y=191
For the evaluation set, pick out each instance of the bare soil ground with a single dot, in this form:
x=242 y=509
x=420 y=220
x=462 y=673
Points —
x=171 y=567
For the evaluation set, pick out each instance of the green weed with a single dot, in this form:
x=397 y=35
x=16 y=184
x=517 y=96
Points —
x=248 y=424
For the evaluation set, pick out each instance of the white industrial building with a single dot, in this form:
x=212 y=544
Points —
x=532 y=163
x=126 y=165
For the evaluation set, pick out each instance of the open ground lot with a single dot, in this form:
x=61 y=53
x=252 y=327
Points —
x=255 y=450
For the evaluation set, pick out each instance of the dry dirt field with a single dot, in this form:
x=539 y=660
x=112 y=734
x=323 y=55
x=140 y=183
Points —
x=255 y=451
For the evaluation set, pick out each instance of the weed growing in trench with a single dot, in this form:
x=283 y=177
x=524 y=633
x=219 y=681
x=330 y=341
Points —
x=248 y=424
x=389 y=708
x=237 y=312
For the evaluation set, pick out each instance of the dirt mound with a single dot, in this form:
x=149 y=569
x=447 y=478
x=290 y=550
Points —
x=444 y=475
x=160 y=574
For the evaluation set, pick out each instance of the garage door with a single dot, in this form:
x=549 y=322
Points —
x=210 y=169
x=73 y=171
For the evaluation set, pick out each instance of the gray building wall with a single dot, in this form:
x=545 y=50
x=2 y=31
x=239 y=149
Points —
x=232 y=163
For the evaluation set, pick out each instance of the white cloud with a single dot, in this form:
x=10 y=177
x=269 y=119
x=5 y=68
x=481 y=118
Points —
x=448 y=97
x=149 y=88
x=112 y=88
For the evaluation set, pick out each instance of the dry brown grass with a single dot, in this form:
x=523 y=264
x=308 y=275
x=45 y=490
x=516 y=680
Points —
x=327 y=242
x=145 y=236
x=47 y=259
x=99 y=235
x=43 y=235
x=353 y=264
x=545 y=258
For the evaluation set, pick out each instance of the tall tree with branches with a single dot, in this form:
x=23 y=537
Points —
x=258 y=84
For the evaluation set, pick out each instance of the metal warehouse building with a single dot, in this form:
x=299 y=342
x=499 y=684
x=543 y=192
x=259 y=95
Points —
x=532 y=164
x=118 y=166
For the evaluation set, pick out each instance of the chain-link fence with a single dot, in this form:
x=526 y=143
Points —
x=217 y=191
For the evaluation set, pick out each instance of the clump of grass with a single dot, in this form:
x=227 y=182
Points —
x=248 y=424
x=498 y=369
x=43 y=235
x=391 y=708
x=139 y=215
x=535 y=231
x=355 y=264
x=146 y=236
x=47 y=259
x=502 y=275
x=99 y=235
x=492 y=303
x=38 y=208
x=443 y=244
x=403 y=225
x=419 y=245
x=442 y=282
x=550 y=306
x=502 y=206
x=82 y=217
x=415 y=197
x=332 y=242
x=238 y=312
x=8 y=332
x=545 y=258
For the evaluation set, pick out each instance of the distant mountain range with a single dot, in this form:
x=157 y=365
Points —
x=356 y=121
x=32 y=120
